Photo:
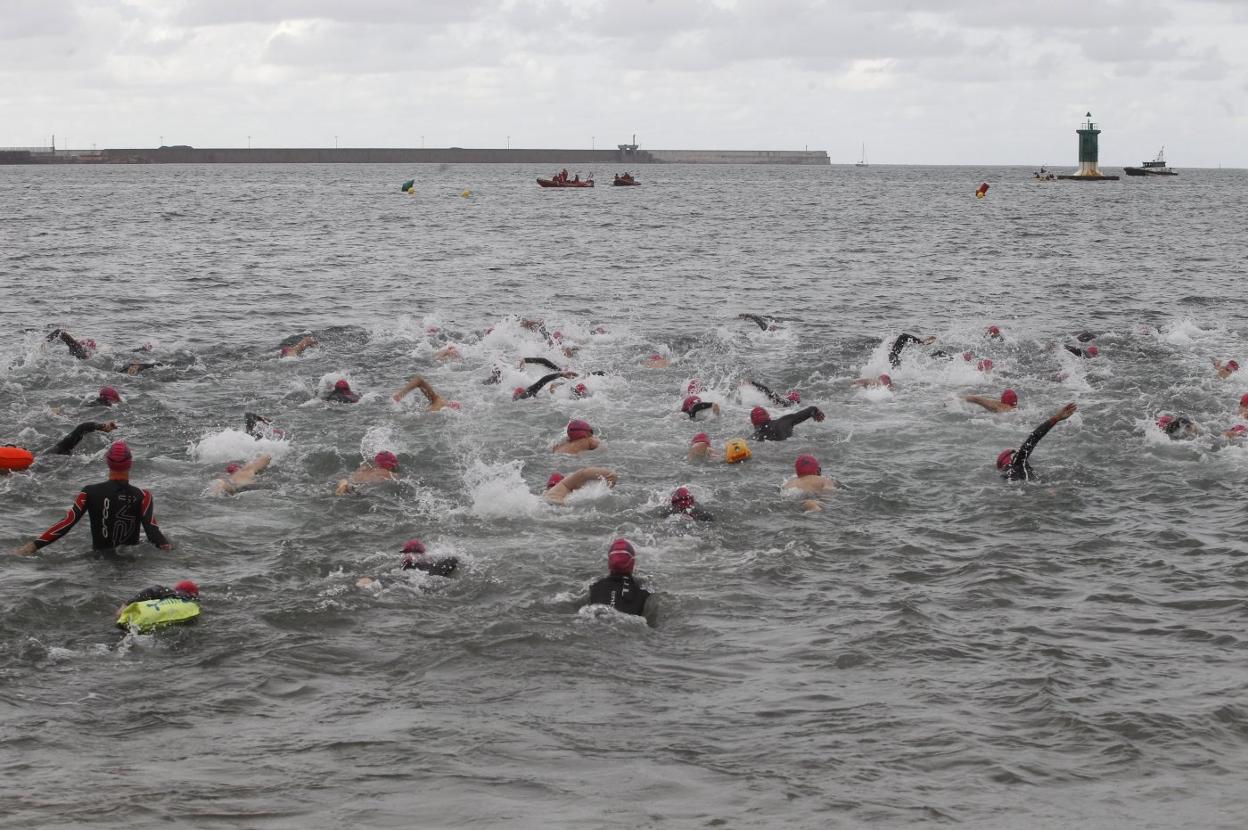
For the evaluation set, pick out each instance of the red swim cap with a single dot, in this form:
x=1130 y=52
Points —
x=517 y=392
x=689 y=403
x=119 y=457
x=556 y=336
x=579 y=429
x=703 y=438
x=109 y=396
x=1004 y=459
x=386 y=460
x=414 y=546
x=968 y=356
x=759 y=416
x=1232 y=365
x=187 y=587
x=1093 y=351
x=580 y=390
x=233 y=467
x=1009 y=397
x=554 y=479
x=682 y=499
x=994 y=331
x=807 y=465
x=342 y=386
x=794 y=396
x=655 y=356
x=694 y=387
x=621 y=557
x=984 y=365
x=287 y=351
x=1165 y=421
x=1239 y=429
x=887 y=381
x=1243 y=401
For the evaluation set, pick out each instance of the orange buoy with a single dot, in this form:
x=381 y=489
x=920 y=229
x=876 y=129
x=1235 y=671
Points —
x=983 y=190
x=13 y=459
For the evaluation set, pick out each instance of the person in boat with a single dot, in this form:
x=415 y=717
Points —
x=1008 y=401
x=810 y=480
x=563 y=175
x=559 y=486
x=894 y=354
x=779 y=429
x=298 y=348
x=1178 y=427
x=1014 y=464
x=117 y=510
x=436 y=401
x=619 y=589
x=577 y=178
x=81 y=349
x=1225 y=370
x=158 y=606
x=682 y=503
x=239 y=477
x=383 y=468
x=580 y=439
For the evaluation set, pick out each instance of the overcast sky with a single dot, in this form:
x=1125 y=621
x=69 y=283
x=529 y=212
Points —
x=919 y=81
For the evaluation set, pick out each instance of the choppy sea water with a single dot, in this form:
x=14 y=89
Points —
x=935 y=648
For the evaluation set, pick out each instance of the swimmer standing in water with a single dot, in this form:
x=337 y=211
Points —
x=619 y=589
x=1013 y=464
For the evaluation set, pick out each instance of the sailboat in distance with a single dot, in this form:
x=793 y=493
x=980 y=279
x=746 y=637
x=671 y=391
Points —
x=863 y=161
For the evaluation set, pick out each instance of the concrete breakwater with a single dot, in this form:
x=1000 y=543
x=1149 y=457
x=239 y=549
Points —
x=451 y=155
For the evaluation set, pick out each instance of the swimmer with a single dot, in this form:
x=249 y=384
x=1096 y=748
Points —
x=894 y=354
x=683 y=504
x=157 y=607
x=581 y=391
x=1007 y=403
x=873 y=383
x=994 y=333
x=1225 y=370
x=239 y=476
x=496 y=376
x=619 y=589
x=764 y=323
x=580 y=439
x=415 y=559
x=342 y=393
x=252 y=426
x=1236 y=432
x=1085 y=336
x=539 y=361
x=448 y=353
x=810 y=480
x=81 y=349
x=1243 y=405
x=1013 y=464
x=779 y=429
x=1178 y=427
x=135 y=367
x=382 y=468
x=789 y=399
x=521 y=393
x=1089 y=352
x=694 y=406
x=436 y=401
x=559 y=486
x=298 y=348
x=656 y=361
x=67 y=444
x=185 y=590
x=108 y=396
x=117 y=509
x=699 y=447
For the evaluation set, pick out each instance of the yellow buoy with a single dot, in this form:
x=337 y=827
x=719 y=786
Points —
x=466 y=194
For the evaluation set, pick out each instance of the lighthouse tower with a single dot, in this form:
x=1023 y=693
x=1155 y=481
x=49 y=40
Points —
x=1088 y=155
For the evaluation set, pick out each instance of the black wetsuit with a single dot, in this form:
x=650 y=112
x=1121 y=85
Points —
x=436 y=567
x=1020 y=469
x=252 y=422
x=66 y=445
x=496 y=376
x=779 y=429
x=338 y=396
x=135 y=368
x=758 y=320
x=1077 y=352
x=776 y=399
x=693 y=411
x=541 y=361
x=696 y=513
x=621 y=592
x=117 y=510
x=537 y=387
x=75 y=348
x=1180 y=427
x=1085 y=336
x=160 y=592
x=894 y=354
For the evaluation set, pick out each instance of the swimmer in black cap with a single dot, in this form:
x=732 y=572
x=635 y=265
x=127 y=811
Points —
x=894 y=354
x=1013 y=464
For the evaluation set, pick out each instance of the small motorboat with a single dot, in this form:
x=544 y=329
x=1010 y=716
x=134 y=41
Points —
x=1043 y=175
x=625 y=181
x=561 y=179
x=1156 y=167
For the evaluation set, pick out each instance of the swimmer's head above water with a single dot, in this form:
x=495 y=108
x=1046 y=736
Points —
x=621 y=558
x=578 y=429
x=386 y=460
x=807 y=465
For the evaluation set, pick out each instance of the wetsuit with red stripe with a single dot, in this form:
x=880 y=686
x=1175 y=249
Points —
x=117 y=510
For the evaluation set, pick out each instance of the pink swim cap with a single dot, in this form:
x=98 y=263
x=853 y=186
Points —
x=556 y=336
x=342 y=386
x=1093 y=351
x=984 y=365
x=655 y=356
x=694 y=387
x=1165 y=421
x=579 y=429
x=682 y=499
x=621 y=557
x=554 y=479
x=1243 y=401
x=109 y=396
x=232 y=468
x=187 y=587
x=580 y=390
x=119 y=457
x=794 y=396
x=759 y=416
x=1239 y=429
x=690 y=402
x=287 y=351
x=968 y=356
x=1232 y=365
x=807 y=465
x=994 y=331
x=887 y=381
x=517 y=392
x=701 y=438
x=456 y=405
x=1004 y=459
x=386 y=460
x=1009 y=397
x=414 y=546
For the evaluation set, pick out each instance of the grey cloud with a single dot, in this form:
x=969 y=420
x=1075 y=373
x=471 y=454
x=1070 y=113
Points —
x=21 y=19
x=397 y=12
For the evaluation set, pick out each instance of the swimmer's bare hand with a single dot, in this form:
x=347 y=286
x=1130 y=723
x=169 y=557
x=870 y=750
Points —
x=927 y=341
x=1065 y=412
x=819 y=416
x=108 y=427
x=25 y=550
x=166 y=546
